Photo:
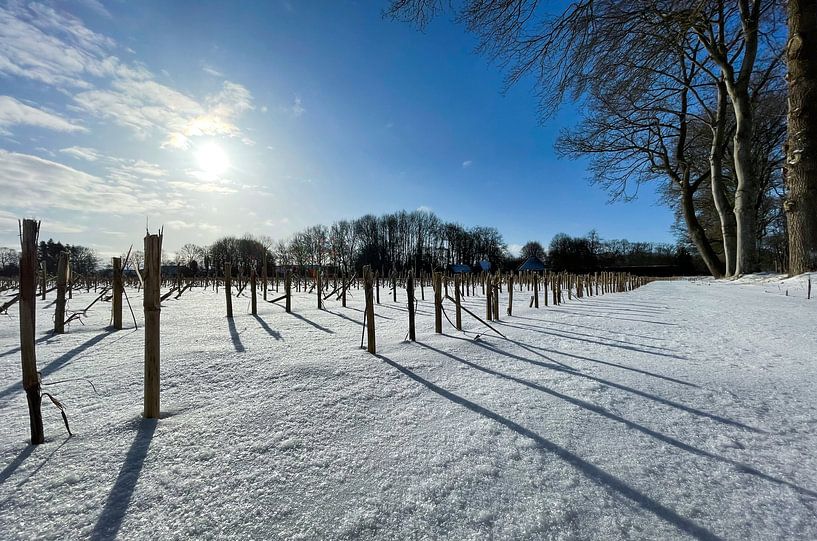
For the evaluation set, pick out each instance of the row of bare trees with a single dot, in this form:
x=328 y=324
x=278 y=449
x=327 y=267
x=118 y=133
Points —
x=417 y=240
x=688 y=93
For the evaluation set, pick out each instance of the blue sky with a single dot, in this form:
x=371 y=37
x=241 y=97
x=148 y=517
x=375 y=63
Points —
x=217 y=119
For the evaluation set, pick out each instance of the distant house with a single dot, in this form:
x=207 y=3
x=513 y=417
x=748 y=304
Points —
x=460 y=268
x=485 y=265
x=532 y=263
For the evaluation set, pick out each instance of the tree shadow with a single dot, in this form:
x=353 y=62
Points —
x=317 y=326
x=669 y=440
x=43 y=338
x=619 y=386
x=234 y=336
x=590 y=471
x=110 y=520
x=274 y=334
x=347 y=318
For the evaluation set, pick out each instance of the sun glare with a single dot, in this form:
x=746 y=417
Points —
x=212 y=160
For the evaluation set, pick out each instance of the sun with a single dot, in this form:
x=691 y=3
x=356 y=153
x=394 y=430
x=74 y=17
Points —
x=212 y=160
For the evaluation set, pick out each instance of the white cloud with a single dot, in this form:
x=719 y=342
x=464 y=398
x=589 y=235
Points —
x=33 y=183
x=467 y=163
x=40 y=43
x=16 y=113
x=209 y=70
x=82 y=153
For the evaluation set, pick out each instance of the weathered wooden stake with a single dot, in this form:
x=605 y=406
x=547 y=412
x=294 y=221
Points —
x=288 y=290
x=228 y=290
x=62 y=280
x=438 y=302
x=153 y=308
x=253 y=301
x=458 y=308
x=318 y=288
x=116 y=300
x=410 y=300
x=28 y=301
x=367 y=286
x=510 y=294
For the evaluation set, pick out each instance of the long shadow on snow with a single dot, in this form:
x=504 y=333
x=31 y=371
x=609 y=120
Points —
x=611 y=317
x=110 y=520
x=274 y=334
x=43 y=338
x=592 y=472
x=620 y=344
x=745 y=468
x=235 y=336
x=319 y=327
x=607 y=363
x=551 y=322
x=660 y=400
x=58 y=363
x=546 y=329
x=10 y=469
x=375 y=314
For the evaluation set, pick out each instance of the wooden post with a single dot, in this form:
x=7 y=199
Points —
x=318 y=288
x=377 y=287
x=28 y=301
x=288 y=290
x=62 y=279
x=228 y=290
x=394 y=287
x=495 y=298
x=438 y=303
x=264 y=277
x=536 y=291
x=410 y=297
x=510 y=294
x=488 y=291
x=43 y=280
x=458 y=308
x=116 y=300
x=153 y=266
x=253 y=301
x=367 y=286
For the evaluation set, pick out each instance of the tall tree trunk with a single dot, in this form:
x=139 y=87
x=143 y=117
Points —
x=696 y=231
x=801 y=154
x=722 y=204
x=746 y=193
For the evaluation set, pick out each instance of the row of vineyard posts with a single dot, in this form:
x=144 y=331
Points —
x=446 y=289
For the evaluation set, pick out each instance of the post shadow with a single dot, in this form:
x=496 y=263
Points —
x=660 y=400
x=57 y=363
x=266 y=327
x=669 y=440
x=110 y=520
x=239 y=347
x=319 y=327
x=25 y=452
x=590 y=471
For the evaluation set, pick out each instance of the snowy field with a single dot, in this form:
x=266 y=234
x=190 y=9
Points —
x=682 y=410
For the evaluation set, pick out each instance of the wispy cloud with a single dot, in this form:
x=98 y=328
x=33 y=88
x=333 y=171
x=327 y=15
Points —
x=82 y=153
x=40 y=43
x=16 y=113
x=31 y=182
x=210 y=70
x=467 y=163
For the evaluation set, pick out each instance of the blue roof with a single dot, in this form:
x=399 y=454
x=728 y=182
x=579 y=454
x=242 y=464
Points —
x=485 y=264
x=532 y=263
x=459 y=267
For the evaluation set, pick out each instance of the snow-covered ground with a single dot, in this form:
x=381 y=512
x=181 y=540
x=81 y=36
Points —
x=680 y=410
